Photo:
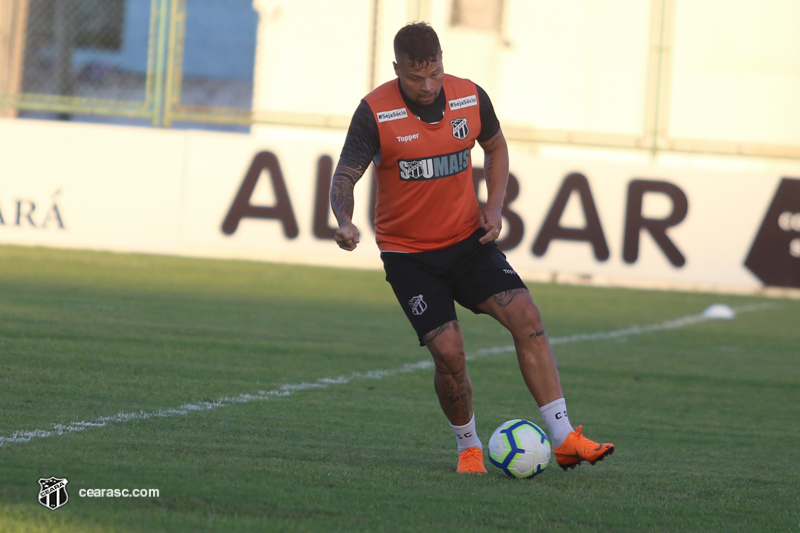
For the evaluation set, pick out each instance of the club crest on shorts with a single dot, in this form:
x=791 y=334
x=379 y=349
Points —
x=53 y=492
x=418 y=305
x=460 y=129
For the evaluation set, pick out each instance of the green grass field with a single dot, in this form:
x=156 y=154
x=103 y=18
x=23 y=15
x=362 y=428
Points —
x=260 y=397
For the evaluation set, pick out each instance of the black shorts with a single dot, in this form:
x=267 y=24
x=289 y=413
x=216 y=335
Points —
x=428 y=283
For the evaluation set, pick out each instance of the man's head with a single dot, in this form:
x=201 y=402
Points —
x=418 y=62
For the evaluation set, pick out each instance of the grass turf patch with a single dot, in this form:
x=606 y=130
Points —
x=703 y=417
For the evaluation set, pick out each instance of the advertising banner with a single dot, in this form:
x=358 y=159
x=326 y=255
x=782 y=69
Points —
x=680 y=223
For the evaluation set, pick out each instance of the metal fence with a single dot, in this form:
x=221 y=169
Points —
x=710 y=76
x=58 y=54
x=123 y=61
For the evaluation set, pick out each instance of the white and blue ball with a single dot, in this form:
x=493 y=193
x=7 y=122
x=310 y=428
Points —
x=519 y=449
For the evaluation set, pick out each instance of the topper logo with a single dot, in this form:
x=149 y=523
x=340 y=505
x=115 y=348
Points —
x=408 y=138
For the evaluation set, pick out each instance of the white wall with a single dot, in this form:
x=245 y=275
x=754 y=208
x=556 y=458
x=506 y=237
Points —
x=729 y=69
x=169 y=192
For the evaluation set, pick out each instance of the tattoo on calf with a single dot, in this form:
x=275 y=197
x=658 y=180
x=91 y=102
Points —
x=537 y=334
x=454 y=400
x=453 y=389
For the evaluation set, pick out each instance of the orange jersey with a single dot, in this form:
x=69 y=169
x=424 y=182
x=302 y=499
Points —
x=426 y=197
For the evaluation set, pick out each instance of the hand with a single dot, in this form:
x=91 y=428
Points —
x=347 y=236
x=492 y=223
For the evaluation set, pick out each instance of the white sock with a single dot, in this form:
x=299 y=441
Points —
x=555 y=416
x=466 y=436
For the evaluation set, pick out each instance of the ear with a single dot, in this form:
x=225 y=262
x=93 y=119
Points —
x=396 y=69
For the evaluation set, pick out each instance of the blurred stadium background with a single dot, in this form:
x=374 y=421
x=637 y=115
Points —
x=100 y=106
x=700 y=76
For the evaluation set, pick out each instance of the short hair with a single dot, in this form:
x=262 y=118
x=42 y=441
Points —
x=418 y=42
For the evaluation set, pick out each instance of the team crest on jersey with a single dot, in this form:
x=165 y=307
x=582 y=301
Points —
x=460 y=129
x=418 y=305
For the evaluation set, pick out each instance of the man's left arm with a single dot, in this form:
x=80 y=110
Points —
x=495 y=168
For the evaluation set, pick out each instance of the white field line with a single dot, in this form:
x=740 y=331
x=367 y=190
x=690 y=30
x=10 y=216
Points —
x=22 y=436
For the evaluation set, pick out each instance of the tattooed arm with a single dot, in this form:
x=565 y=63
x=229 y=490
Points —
x=344 y=180
x=361 y=145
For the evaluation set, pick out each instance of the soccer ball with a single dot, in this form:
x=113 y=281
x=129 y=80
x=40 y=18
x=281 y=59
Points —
x=519 y=449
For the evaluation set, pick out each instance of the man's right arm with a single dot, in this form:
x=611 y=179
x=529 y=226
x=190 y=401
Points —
x=361 y=145
x=344 y=180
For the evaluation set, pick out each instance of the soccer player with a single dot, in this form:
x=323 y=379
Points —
x=436 y=244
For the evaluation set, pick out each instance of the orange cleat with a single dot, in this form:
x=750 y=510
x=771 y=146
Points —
x=578 y=448
x=470 y=461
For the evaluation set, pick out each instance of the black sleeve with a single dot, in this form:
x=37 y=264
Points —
x=363 y=142
x=489 y=123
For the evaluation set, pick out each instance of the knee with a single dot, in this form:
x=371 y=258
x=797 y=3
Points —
x=447 y=347
x=526 y=318
x=449 y=361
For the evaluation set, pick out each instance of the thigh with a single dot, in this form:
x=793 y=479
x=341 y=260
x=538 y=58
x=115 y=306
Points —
x=516 y=310
x=485 y=273
x=425 y=296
